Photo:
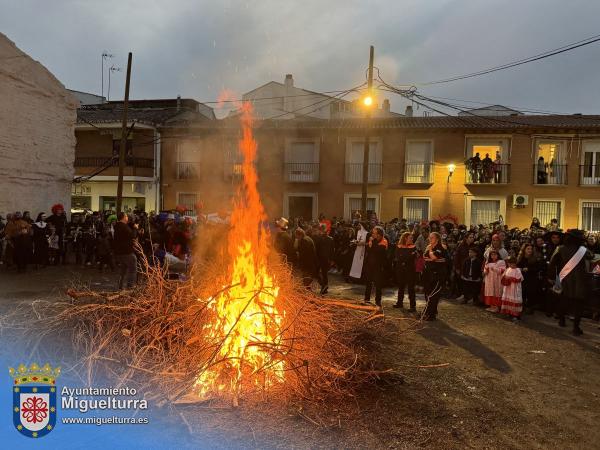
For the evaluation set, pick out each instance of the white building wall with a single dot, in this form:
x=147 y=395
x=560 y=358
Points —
x=37 y=137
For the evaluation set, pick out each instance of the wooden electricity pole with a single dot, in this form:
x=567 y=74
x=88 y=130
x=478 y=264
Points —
x=124 y=133
x=365 y=174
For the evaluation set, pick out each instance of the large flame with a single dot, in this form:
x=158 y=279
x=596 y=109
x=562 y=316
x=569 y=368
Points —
x=247 y=321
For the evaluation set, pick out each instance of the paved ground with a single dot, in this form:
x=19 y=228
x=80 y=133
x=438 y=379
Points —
x=530 y=385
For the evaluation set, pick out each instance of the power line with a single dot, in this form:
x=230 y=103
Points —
x=519 y=108
x=539 y=56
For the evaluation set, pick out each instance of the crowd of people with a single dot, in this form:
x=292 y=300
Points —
x=508 y=271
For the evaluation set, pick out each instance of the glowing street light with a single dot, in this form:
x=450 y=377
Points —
x=368 y=101
x=451 y=169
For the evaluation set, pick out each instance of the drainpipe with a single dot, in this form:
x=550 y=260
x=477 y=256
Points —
x=157 y=171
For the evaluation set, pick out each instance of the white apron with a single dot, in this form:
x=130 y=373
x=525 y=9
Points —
x=359 y=253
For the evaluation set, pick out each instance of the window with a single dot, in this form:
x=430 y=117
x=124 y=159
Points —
x=188 y=200
x=302 y=161
x=354 y=161
x=299 y=204
x=419 y=162
x=416 y=209
x=590 y=215
x=233 y=160
x=590 y=164
x=188 y=161
x=550 y=162
x=487 y=160
x=353 y=203
x=546 y=210
x=485 y=210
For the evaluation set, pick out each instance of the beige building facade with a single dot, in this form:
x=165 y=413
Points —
x=419 y=168
x=37 y=142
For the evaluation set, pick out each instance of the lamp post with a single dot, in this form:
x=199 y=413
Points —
x=368 y=103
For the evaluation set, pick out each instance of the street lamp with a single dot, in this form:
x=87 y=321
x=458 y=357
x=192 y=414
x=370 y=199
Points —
x=368 y=101
x=451 y=169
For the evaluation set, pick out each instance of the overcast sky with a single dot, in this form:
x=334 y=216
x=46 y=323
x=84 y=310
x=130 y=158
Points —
x=196 y=48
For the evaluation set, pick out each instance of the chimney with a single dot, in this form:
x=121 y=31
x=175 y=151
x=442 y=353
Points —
x=386 y=105
x=178 y=102
x=409 y=111
x=289 y=80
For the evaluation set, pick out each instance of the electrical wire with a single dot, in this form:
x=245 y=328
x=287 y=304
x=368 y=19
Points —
x=537 y=57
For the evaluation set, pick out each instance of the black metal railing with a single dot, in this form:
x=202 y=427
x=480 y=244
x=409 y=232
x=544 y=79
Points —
x=491 y=174
x=354 y=173
x=101 y=161
x=589 y=175
x=301 y=172
x=551 y=174
x=418 y=172
x=188 y=171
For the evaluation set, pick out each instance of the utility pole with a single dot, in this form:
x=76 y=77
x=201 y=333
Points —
x=368 y=104
x=124 y=134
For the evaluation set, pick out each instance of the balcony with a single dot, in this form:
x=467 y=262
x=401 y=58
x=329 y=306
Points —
x=134 y=166
x=552 y=175
x=498 y=174
x=188 y=171
x=418 y=173
x=589 y=175
x=302 y=172
x=233 y=171
x=354 y=173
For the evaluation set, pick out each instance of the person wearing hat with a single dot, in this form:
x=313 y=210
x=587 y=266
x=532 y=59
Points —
x=567 y=272
x=283 y=242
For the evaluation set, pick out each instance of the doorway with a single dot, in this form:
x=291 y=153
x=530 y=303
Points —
x=300 y=206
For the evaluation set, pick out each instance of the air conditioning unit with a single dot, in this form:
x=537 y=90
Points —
x=520 y=200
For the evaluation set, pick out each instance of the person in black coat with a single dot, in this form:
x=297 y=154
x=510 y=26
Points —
x=307 y=261
x=574 y=284
x=59 y=220
x=324 y=247
x=435 y=273
x=40 y=240
x=283 y=242
x=472 y=276
x=375 y=264
x=533 y=270
x=405 y=267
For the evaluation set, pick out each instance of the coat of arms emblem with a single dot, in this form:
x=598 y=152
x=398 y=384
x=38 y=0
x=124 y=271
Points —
x=34 y=399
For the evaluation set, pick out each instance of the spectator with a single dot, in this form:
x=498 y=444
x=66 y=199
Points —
x=123 y=243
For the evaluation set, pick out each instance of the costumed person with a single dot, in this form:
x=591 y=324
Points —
x=359 y=253
x=283 y=242
x=59 y=220
x=406 y=271
x=434 y=275
x=492 y=291
x=471 y=275
x=375 y=264
x=533 y=275
x=567 y=271
x=512 y=297
x=18 y=231
x=40 y=240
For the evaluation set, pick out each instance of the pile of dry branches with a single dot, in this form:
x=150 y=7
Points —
x=153 y=338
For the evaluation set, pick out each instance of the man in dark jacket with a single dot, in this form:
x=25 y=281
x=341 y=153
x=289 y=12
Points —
x=471 y=275
x=574 y=284
x=375 y=264
x=324 y=247
x=123 y=246
x=307 y=257
x=283 y=242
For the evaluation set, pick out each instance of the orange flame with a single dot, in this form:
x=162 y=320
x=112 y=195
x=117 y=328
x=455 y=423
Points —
x=247 y=321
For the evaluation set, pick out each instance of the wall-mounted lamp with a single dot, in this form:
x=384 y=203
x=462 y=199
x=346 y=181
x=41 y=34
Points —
x=451 y=169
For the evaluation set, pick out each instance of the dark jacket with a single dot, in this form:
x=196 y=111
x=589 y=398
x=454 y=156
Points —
x=460 y=256
x=324 y=247
x=472 y=269
x=123 y=239
x=376 y=258
x=284 y=245
x=574 y=285
x=405 y=259
x=307 y=256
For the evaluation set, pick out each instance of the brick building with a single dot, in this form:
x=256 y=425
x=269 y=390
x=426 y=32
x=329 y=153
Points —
x=417 y=167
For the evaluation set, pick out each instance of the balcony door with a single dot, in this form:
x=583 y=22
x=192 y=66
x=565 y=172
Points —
x=419 y=162
x=590 y=163
x=354 y=161
x=550 y=162
x=493 y=154
x=188 y=161
x=302 y=162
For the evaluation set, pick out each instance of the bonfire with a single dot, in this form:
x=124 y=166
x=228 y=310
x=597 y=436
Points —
x=240 y=327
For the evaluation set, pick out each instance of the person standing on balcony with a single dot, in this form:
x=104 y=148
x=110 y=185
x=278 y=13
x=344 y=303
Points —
x=487 y=169
x=123 y=242
x=498 y=168
x=542 y=175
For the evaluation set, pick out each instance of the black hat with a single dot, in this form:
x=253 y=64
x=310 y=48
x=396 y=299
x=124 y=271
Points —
x=575 y=233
